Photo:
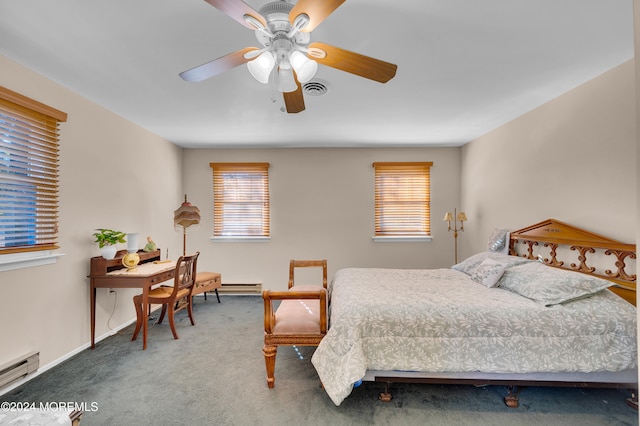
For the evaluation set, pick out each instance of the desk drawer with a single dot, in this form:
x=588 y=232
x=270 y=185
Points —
x=165 y=276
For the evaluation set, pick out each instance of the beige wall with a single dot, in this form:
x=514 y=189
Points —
x=573 y=159
x=321 y=207
x=636 y=28
x=113 y=174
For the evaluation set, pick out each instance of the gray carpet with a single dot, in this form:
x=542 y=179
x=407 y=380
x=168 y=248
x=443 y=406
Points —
x=214 y=375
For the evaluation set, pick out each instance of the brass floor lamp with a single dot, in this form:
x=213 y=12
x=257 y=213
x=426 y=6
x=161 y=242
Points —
x=455 y=217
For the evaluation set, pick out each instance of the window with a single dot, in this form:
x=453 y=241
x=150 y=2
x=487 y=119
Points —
x=28 y=174
x=402 y=200
x=240 y=200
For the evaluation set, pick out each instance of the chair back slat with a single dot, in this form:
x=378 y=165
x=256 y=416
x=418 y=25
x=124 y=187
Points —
x=185 y=273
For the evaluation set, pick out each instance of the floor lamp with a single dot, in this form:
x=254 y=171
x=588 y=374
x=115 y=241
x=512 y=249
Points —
x=455 y=218
x=186 y=216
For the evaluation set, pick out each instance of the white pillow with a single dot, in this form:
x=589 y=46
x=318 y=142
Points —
x=471 y=263
x=488 y=272
x=499 y=241
x=548 y=286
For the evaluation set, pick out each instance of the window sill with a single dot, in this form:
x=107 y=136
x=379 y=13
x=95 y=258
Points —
x=12 y=261
x=240 y=239
x=404 y=239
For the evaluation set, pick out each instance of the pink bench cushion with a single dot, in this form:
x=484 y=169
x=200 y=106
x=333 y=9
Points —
x=300 y=316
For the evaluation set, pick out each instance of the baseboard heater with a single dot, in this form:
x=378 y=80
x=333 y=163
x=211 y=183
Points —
x=18 y=368
x=241 y=288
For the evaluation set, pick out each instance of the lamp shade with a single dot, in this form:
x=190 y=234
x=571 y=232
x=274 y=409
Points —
x=305 y=68
x=186 y=215
x=260 y=68
x=462 y=217
x=448 y=216
x=132 y=242
x=286 y=82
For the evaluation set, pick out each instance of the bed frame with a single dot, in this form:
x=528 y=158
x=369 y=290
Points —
x=562 y=246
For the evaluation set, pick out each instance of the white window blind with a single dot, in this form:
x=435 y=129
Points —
x=241 y=199
x=29 y=137
x=402 y=199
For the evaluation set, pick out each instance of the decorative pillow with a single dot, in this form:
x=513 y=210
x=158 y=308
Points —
x=488 y=272
x=548 y=286
x=471 y=263
x=499 y=241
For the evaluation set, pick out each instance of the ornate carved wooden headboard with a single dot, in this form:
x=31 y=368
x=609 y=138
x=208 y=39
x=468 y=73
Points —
x=564 y=246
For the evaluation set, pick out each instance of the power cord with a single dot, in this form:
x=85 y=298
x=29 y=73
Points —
x=115 y=300
x=113 y=310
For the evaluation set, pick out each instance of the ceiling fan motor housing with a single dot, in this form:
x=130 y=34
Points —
x=277 y=16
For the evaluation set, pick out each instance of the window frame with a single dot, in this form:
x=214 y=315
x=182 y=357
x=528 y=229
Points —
x=29 y=131
x=250 y=204
x=408 y=185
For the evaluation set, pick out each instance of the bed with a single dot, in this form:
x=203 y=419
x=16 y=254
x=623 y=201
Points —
x=526 y=317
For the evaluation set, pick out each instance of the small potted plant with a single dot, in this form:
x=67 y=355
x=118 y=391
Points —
x=107 y=239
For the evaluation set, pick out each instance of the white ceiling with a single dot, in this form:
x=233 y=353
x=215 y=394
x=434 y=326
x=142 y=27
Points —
x=464 y=66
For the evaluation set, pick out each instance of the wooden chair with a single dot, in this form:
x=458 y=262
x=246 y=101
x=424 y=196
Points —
x=168 y=297
x=300 y=319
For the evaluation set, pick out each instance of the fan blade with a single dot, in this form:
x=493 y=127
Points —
x=317 y=10
x=237 y=9
x=217 y=66
x=354 y=63
x=294 y=101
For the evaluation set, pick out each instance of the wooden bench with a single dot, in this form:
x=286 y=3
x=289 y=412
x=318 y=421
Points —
x=207 y=281
x=300 y=319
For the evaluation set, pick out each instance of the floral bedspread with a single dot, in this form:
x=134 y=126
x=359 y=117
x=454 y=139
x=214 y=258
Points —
x=439 y=320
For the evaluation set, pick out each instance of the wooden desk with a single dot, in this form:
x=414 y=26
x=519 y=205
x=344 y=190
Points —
x=111 y=274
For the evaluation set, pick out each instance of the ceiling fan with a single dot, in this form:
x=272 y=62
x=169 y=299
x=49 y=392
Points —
x=287 y=57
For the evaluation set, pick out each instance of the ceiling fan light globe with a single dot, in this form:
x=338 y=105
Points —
x=260 y=68
x=305 y=68
x=286 y=82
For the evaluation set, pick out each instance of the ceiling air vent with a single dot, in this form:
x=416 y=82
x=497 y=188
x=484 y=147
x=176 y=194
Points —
x=315 y=87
